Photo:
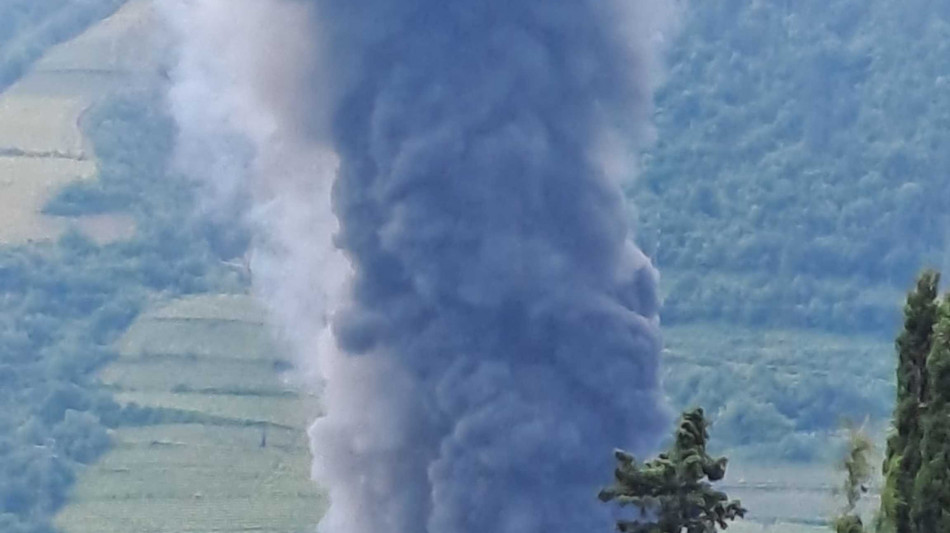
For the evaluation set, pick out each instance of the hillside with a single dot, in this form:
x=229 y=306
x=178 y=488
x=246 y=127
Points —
x=796 y=188
x=95 y=228
x=799 y=174
x=42 y=145
x=241 y=465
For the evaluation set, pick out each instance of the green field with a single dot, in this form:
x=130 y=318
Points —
x=209 y=355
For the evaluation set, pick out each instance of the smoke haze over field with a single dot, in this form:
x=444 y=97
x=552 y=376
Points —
x=492 y=331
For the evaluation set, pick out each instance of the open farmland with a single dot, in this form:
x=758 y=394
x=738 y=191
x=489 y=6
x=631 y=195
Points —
x=249 y=471
x=211 y=355
x=42 y=145
x=26 y=184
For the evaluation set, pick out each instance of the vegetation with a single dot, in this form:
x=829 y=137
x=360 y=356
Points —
x=66 y=302
x=930 y=506
x=903 y=461
x=241 y=463
x=795 y=186
x=801 y=144
x=857 y=468
x=673 y=493
x=916 y=496
x=778 y=394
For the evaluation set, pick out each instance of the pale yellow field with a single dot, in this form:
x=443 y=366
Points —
x=42 y=126
x=122 y=43
x=25 y=186
x=41 y=140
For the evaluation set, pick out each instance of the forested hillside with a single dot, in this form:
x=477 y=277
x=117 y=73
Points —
x=802 y=161
x=796 y=188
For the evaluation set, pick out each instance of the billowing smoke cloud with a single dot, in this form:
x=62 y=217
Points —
x=492 y=332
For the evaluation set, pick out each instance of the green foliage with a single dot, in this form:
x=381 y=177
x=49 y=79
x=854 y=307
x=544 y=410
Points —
x=796 y=184
x=902 y=460
x=849 y=524
x=798 y=176
x=856 y=466
x=64 y=304
x=673 y=493
x=777 y=394
x=930 y=506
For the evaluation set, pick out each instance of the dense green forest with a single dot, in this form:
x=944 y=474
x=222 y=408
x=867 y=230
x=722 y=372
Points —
x=799 y=174
x=796 y=187
x=64 y=303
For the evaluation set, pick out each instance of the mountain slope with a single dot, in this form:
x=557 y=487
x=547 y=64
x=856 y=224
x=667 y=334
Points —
x=241 y=463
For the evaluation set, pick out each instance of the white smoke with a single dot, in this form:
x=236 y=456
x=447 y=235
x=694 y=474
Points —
x=430 y=432
x=237 y=73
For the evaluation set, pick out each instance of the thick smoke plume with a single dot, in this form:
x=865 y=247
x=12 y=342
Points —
x=486 y=329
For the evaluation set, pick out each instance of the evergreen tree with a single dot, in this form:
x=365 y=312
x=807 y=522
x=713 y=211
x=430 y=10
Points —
x=902 y=459
x=930 y=509
x=671 y=493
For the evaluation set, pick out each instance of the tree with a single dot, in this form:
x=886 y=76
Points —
x=673 y=493
x=930 y=505
x=902 y=460
x=857 y=468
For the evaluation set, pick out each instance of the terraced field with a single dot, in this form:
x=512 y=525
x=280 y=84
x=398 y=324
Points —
x=42 y=146
x=247 y=471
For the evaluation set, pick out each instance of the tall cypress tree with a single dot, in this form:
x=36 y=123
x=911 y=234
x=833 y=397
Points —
x=902 y=460
x=930 y=507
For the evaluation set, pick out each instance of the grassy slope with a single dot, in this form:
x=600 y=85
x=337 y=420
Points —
x=42 y=146
x=179 y=478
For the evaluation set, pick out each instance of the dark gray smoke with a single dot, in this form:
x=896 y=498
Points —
x=498 y=330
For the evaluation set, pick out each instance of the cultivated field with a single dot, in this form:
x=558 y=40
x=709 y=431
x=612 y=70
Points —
x=209 y=355
x=26 y=184
x=42 y=146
